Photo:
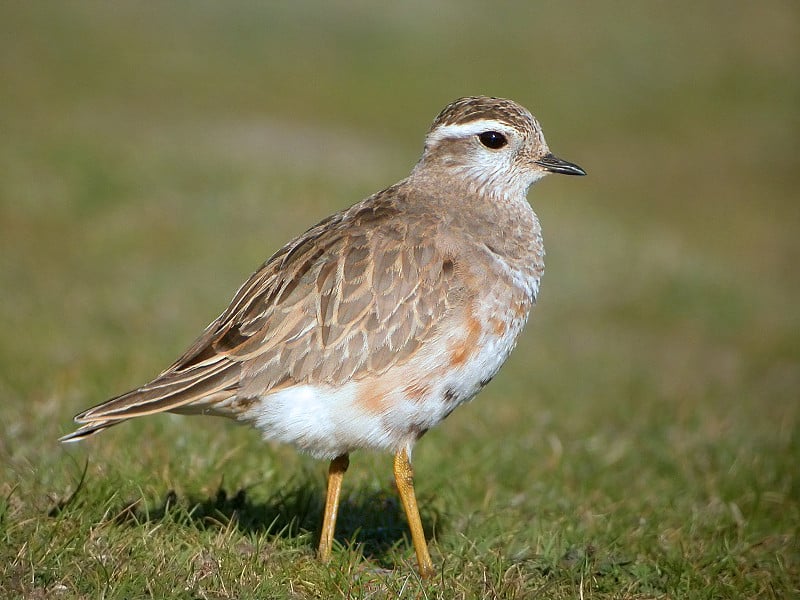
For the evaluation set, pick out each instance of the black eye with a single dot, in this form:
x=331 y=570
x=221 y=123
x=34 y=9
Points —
x=492 y=139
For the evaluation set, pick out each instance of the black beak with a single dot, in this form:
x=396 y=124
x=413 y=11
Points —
x=556 y=165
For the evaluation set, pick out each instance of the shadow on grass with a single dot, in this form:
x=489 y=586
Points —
x=372 y=520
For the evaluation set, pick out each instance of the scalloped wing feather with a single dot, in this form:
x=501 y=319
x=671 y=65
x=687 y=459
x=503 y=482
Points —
x=354 y=295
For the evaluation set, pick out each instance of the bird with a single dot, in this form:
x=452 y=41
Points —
x=376 y=323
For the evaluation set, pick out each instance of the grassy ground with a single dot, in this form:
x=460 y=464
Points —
x=641 y=443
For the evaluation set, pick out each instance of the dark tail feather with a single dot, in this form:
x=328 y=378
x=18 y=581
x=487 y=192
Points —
x=170 y=392
x=166 y=393
x=88 y=430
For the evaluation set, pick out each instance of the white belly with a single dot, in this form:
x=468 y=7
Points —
x=392 y=411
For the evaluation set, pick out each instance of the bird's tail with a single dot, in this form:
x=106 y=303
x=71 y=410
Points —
x=88 y=429
x=192 y=391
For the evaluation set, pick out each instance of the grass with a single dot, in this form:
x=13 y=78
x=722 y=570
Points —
x=642 y=442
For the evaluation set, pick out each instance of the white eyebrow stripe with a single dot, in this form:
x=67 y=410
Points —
x=468 y=129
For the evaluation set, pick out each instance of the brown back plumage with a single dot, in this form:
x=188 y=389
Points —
x=357 y=293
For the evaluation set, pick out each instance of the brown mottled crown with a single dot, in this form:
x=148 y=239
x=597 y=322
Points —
x=473 y=108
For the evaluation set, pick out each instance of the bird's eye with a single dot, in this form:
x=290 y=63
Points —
x=492 y=139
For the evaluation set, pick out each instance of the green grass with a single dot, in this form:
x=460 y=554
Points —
x=642 y=442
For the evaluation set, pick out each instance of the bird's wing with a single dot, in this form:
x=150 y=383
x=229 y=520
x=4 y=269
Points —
x=354 y=295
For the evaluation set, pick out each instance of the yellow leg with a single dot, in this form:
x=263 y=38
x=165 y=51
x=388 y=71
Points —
x=404 y=476
x=335 y=474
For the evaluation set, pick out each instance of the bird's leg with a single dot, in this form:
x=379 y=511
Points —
x=335 y=474
x=404 y=476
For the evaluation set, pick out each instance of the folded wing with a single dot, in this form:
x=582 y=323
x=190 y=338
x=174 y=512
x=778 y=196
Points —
x=353 y=296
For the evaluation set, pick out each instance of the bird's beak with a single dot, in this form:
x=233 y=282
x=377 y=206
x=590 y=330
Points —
x=556 y=165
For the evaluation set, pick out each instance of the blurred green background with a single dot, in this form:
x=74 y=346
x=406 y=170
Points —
x=152 y=155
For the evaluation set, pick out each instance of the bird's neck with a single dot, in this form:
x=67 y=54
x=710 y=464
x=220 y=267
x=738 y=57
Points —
x=505 y=222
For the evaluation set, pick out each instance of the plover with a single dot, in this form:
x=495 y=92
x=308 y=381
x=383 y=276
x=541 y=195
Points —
x=376 y=323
